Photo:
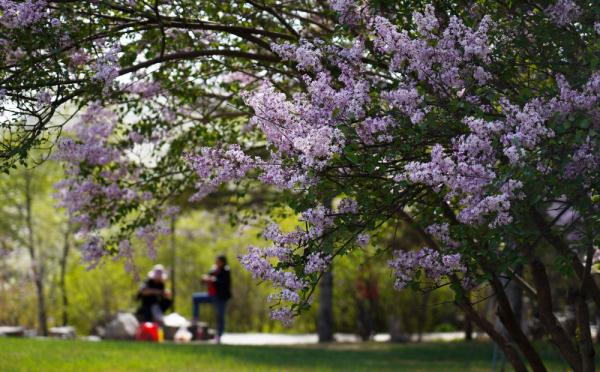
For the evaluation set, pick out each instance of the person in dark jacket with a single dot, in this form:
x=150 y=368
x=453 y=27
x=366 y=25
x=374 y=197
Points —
x=155 y=299
x=218 y=281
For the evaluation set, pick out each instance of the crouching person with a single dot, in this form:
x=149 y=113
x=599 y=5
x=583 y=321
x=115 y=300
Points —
x=155 y=299
x=218 y=282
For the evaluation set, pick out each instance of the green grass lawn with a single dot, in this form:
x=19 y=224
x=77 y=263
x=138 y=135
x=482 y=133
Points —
x=56 y=355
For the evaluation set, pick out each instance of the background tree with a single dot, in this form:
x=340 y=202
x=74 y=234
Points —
x=29 y=224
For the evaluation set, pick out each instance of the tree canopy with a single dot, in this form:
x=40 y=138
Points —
x=473 y=122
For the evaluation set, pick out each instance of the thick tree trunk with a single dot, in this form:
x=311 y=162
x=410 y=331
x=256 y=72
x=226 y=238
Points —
x=562 y=247
x=549 y=322
x=512 y=354
x=512 y=325
x=468 y=329
x=325 y=320
x=468 y=321
x=580 y=355
x=514 y=293
x=507 y=346
x=586 y=343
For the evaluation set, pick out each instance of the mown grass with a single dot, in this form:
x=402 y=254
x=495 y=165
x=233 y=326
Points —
x=57 y=355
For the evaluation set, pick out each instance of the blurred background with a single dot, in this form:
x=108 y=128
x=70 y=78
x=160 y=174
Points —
x=42 y=276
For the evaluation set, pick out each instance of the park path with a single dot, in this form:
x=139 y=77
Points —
x=304 y=339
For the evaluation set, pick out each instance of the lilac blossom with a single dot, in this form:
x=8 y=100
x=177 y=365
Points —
x=107 y=67
x=215 y=167
x=273 y=232
x=17 y=14
x=275 y=172
x=43 y=97
x=420 y=57
x=585 y=159
x=319 y=219
x=348 y=206
x=426 y=22
x=285 y=295
x=441 y=232
x=81 y=192
x=144 y=89
x=347 y=11
x=149 y=233
x=92 y=251
x=316 y=262
x=305 y=54
x=284 y=315
x=78 y=57
x=92 y=132
x=363 y=239
x=256 y=261
x=435 y=265
x=563 y=12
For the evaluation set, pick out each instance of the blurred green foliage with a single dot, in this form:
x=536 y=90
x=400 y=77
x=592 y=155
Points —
x=94 y=296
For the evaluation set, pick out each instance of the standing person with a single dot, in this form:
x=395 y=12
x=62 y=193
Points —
x=155 y=299
x=218 y=281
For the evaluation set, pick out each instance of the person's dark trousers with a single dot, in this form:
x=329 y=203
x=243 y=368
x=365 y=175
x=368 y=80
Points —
x=220 y=306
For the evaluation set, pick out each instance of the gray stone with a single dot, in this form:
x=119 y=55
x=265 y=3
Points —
x=122 y=327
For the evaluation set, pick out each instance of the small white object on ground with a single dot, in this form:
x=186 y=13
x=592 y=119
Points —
x=66 y=332
x=182 y=335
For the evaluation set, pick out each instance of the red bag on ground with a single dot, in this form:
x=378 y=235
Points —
x=148 y=331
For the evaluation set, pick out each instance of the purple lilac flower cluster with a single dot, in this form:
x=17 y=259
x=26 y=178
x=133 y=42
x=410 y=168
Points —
x=257 y=262
x=463 y=52
x=467 y=168
x=80 y=193
x=106 y=67
x=441 y=232
x=563 y=12
x=434 y=264
x=266 y=263
x=215 y=166
x=18 y=14
x=317 y=262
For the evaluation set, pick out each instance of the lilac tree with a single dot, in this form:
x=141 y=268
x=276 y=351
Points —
x=462 y=126
x=475 y=123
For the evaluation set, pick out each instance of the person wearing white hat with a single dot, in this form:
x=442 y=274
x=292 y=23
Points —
x=155 y=298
